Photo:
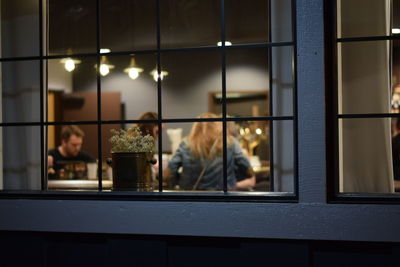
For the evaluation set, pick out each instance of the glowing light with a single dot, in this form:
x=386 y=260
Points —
x=105 y=50
x=227 y=43
x=69 y=63
x=132 y=70
x=396 y=31
x=258 y=131
x=157 y=75
x=104 y=69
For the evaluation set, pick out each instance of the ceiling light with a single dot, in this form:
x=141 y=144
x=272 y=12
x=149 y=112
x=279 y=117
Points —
x=104 y=66
x=69 y=63
x=227 y=43
x=157 y=75
x=133 y=70
x=396 y=30
x=104 y=50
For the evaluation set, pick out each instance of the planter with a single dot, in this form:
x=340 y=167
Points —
x=132 y=171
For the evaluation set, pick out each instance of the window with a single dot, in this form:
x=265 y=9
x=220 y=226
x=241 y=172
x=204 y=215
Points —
x=366 y=97
x=100 y=64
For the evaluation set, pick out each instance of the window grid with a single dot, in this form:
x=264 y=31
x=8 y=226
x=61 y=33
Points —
x=334 y=195
x=43 y=123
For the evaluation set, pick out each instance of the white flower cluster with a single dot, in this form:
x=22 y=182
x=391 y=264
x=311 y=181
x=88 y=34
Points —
x=131 y=140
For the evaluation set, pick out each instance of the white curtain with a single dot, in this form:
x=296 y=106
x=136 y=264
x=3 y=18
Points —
x=364 y=87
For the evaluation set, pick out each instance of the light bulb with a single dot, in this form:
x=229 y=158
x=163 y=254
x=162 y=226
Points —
x=258 y=131
x=133 y=73
x=69 y=64
x=396 y=31
x=155 y=76
x=104 y=69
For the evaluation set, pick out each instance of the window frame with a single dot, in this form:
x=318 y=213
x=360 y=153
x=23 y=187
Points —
x=332 y=116
x=176 y=196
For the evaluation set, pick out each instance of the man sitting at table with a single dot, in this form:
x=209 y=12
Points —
x=69 y=150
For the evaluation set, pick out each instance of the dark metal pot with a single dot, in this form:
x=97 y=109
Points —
x=132 y=171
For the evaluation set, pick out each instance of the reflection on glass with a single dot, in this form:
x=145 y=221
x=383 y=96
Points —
x=365 y=155
x=130 y=97
x=369 y=18
x=20 y=158
x=283 y=157
x=73 y=94
x=20 y=91
x=253 y=151
x=71 y=27
x=72 y=157
x=128 y=25
x=193 y=77
x=189 y=23
x=194 y=163
x=19 y=28
x=364 y=77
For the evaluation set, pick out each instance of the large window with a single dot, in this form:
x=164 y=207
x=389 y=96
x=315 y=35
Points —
x=100 y=65
x=366 y=93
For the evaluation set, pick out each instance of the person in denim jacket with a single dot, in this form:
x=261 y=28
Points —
x=200 y=156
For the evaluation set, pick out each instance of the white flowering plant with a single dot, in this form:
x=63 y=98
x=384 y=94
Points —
x=131 y=140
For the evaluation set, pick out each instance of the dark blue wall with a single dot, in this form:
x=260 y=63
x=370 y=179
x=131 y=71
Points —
x=62 y=249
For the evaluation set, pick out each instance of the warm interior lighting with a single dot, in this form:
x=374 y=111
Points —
x=258 y=131
x=227 y=43
x=157 y=75
x=104 y=66
x=105 y=50
x=133 y=71
x=396 y=30
x=70 y=63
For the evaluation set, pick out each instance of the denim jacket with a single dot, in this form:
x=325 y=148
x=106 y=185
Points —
x=213 y=174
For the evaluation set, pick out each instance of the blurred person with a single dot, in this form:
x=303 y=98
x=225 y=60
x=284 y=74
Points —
x=150 y=128
x=69 y=150
x=200 y=156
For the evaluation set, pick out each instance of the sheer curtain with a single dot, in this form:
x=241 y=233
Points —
x=365 y=159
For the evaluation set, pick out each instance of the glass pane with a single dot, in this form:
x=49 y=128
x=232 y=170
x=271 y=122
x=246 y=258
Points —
x=248 y=21
x=247 y=83
x=71 y=27
x=249 y=147
x=189 y=23
x=20 y=158
x=395 y=100
x=363 y=77
x=359 y=18
x=72 y=158
x=365 y=155
x=128 y=25
x=72 y=94
x=283 y=83
x=138 y=170
x=283 y=157
x=19 y=28
x=129 y=89
x=20 y=91
x=195 y=165
x=192 y=79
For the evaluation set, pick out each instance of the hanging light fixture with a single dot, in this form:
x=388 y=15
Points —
x=70 y=63
x=104 y=66
x=157 y=75
x=133 y=71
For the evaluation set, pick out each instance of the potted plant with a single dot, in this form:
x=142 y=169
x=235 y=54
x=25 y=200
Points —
x=132 y=156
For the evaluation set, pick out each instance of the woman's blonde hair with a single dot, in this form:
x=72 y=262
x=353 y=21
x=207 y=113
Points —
x=205 y=138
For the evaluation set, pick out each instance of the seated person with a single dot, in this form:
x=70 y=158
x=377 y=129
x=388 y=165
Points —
x=200 y=156
x=69 y=150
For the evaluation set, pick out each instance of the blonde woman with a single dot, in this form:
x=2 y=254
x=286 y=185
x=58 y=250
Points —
x=200 y=156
